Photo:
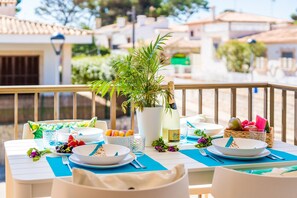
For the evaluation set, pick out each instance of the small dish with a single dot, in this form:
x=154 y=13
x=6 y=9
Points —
x=247 y=147
x=86 y=134
x=128 y=159
x=208 y=128
x=109 y=156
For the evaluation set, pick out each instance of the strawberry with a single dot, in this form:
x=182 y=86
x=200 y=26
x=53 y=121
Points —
x=73 y=143
x=80 y=143
x=70 y=138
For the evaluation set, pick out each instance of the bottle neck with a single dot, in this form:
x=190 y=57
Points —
x=171 y=99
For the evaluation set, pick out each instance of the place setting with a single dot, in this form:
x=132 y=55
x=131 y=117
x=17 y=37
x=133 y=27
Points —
x=125 y=154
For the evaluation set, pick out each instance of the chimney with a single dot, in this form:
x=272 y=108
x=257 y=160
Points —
x=213 y=12
x=121 y=22
x=98 y=22
x=8 y=7
x=141 y=20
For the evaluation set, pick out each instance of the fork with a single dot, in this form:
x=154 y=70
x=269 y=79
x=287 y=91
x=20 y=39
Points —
x=66 y=162
x=202 y=152
x=141 y=165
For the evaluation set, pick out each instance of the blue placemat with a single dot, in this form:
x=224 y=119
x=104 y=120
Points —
x=61 y=170
x=195 y=154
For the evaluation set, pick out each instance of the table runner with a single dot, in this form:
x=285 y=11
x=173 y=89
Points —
x=195 y=154
x=61 y=170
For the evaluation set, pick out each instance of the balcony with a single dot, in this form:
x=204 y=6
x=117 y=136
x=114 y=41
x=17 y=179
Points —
x=277 y=102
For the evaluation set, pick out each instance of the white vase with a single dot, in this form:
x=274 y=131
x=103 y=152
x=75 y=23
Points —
x=149 y=123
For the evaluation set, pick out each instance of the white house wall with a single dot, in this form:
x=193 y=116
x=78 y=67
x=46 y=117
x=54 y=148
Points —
x=274 y=50
x=48 y=60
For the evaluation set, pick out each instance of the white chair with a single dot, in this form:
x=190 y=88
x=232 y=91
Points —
x=229 y=183
x=27 y=133
x=65 y=188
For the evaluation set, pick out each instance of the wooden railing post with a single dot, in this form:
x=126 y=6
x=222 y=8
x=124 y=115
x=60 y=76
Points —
x=200 y=101
x=93 y=104
x=35 y=107
x=233 y=102
x=216 y=106
x=184 y=98
x=56 y=106
x=265 y=103
x=113 y=111
x=16 y=112
x=284 y=115
x=271 y=111
x=74 y=108
x=250 y=103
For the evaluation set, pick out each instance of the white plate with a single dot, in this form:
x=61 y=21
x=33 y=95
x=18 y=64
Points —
x=221 y=134
x=129 y=158
x=214 y=151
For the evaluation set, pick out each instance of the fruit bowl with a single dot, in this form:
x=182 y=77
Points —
x=118 y=137
x=113 y=154
x=247 y=147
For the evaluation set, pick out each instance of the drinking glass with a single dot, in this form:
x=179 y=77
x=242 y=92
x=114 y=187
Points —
x=49 y=138
x=138 y=145
x=258 y=134
x=183 y=133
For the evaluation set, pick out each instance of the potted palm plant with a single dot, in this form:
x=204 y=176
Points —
x=137 y=78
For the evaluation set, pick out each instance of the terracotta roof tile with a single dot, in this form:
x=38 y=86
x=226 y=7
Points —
x=13 y=25
x=8 y=1
x=238 y=17
x=283 y=35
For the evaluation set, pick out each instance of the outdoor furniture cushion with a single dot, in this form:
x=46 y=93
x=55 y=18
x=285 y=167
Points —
x=37 y=128
x=174 y=184
x=139 y=181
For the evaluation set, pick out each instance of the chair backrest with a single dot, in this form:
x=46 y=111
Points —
x=235 y=184
x=66 y=188
x=27 y=134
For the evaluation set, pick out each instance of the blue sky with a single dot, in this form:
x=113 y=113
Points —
x=277 y=8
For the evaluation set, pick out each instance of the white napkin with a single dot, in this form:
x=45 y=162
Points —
x=137 y=181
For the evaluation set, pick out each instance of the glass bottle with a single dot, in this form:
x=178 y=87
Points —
x=171 y=119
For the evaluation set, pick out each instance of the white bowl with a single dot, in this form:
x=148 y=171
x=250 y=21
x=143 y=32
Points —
x=83 y=154
x=87 y=134
x=247 y=147
x=124 y=141
x=208 y=128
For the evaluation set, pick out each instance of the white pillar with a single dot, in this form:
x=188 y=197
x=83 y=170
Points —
x=66 y=64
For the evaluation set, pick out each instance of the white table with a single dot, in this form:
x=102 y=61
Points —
x=25 y=178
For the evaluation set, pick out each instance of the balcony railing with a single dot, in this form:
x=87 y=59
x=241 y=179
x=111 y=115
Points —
x=268 y=101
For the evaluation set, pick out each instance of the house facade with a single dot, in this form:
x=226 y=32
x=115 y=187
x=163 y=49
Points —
x=216 y=30
x=26 y=54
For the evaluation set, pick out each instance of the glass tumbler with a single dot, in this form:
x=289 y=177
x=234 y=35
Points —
x=258 y=134
x=49 y=138
x=137 y=145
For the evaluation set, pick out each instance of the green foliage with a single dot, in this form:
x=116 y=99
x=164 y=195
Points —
x=104 y=51
x=182 y=10
x=137 y=77
x=294 y=17
x=238 y=54
x=64 y=11
x=89 y=68
x=73 y=11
